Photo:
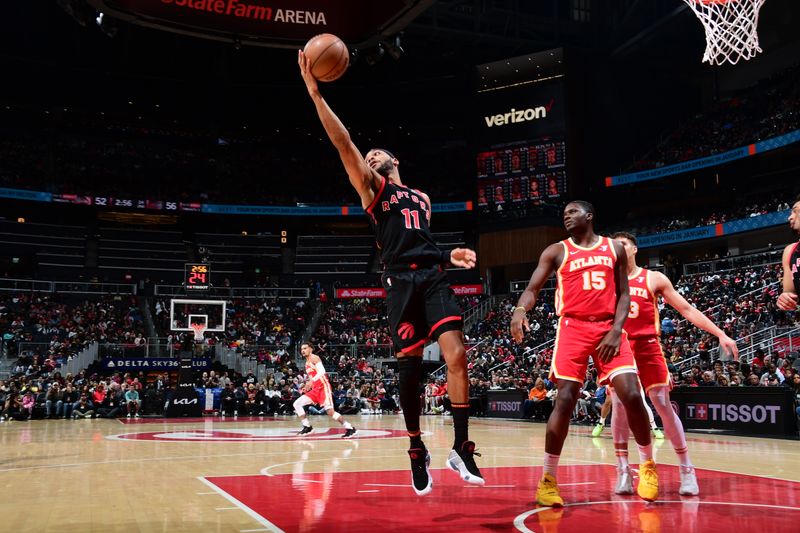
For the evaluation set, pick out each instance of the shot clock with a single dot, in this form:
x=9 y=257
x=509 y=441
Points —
x=197 y=277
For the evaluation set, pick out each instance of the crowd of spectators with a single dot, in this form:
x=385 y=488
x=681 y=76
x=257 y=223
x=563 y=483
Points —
x=58 y=327
x=643 y=225
x=766 y=110
x=49 y=394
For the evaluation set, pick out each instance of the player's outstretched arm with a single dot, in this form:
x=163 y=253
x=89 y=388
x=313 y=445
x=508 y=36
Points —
x=364 y=180
x=551 y=258
x=609 y=346
x=660 y=284
x=788 y=298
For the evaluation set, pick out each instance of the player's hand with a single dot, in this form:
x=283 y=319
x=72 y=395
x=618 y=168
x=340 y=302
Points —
x=728 y=345
x=787 y=301
x=519 y=325
x=463 y=257
x=609 y=346
x=305 y=72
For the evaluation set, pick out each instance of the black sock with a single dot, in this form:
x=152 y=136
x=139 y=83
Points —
x=460 y=424
x=409 y=370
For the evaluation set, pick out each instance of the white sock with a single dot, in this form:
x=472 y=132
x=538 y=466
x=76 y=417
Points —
x=347 y=425
x=306 y=423
x=645 y=452
x=672 y=424
x=602 y=421
x=551 y=463
x=621 y=450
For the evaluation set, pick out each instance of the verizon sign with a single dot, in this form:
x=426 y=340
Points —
x=517 y=115
x=371 y=292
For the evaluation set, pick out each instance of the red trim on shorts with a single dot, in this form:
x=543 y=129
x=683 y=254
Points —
x=443 y=321
x=377 y=197
x=413 y=346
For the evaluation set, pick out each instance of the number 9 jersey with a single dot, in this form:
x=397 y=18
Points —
x=587 y=288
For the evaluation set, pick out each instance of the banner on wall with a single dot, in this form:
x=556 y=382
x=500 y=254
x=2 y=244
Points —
x=377 y=292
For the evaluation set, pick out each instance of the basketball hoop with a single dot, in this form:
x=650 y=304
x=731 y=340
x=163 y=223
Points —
x=731 y=29
x=199 y=329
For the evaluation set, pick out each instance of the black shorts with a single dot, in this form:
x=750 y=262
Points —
x=421 y=306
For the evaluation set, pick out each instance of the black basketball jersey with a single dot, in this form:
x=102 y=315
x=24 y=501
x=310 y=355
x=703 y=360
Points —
x=794 y=264
x=399 y=217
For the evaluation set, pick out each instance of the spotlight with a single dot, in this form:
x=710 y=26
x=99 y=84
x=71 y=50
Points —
x=107 y=25
x=395 y=48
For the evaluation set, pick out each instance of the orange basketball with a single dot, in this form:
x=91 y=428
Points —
x=328 y=57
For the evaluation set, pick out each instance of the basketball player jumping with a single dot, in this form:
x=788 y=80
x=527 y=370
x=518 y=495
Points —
x=791 y=265
x=643 y=327
x=317 y=390
x=419 y=301
x=592 y=301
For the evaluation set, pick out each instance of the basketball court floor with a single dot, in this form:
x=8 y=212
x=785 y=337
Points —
x=248 y=475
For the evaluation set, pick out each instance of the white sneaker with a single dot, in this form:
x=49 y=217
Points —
x=624 y=481
x=236 y=413
x=137 y=415
x=129 y=415
x=688 y=482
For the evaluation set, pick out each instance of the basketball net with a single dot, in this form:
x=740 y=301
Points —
x=199 y=329
x=731 y=29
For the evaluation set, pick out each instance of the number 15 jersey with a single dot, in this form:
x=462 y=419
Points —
x=586 y=286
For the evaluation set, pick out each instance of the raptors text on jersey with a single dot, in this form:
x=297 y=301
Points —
x=399 y=217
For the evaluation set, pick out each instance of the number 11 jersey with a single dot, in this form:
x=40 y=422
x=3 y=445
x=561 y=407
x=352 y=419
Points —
x=399 y=218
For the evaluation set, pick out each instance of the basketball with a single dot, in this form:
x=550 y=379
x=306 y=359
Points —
x=327 y=56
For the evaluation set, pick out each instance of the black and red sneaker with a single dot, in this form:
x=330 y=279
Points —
x=463 y=462
x=420 y=476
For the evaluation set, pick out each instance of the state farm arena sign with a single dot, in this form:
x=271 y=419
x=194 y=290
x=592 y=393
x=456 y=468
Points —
x=367 y=292
x=266 y=22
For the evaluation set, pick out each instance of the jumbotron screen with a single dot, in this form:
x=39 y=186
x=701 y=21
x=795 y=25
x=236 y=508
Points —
x=514 y=181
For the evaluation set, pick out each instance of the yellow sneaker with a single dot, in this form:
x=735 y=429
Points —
x=547 y=493
x=648 y=481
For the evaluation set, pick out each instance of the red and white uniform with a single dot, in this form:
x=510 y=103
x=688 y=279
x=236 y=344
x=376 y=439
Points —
x=644 y=327
x=320 y=393
x=586 y=301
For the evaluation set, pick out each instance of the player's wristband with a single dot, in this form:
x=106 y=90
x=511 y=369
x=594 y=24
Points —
x=444 y=257
x=517 y=308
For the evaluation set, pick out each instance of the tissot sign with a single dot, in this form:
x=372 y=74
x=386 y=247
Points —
x=744 y=410
x=274 y=21
x=520 y=113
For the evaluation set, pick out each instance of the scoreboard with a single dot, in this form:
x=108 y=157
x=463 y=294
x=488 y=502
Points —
x=516 y=179
x=197 y=277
